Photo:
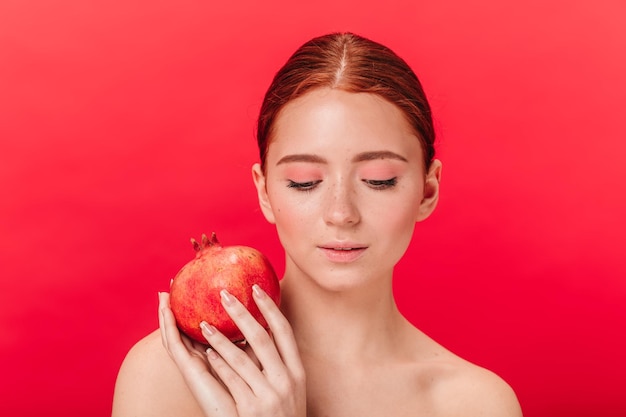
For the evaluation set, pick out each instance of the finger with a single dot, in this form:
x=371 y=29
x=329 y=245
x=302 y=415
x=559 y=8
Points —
x=163 y=303
x=281 y=330
x=256 y=336
x=250 y=352
x=193 y=365
x=177 y=345
x=235 y=368
x=169 y=329
x=180 y=348
x=236 y=385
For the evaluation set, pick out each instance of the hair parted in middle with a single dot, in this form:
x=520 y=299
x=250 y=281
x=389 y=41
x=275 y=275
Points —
x=354 y=64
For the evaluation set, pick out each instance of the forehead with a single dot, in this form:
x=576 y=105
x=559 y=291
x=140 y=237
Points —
x=329 y=120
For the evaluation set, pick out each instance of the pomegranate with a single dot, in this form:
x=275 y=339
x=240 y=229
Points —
x=195 y=290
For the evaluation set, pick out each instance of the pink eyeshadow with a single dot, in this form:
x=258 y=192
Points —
x=300 y=173
x=378 y=170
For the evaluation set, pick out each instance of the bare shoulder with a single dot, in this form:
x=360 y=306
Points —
x=452 y=386
x=481 y=392
x=149 y=383
x=465 y=389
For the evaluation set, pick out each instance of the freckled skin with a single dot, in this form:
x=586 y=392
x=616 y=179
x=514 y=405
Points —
x=195 y=290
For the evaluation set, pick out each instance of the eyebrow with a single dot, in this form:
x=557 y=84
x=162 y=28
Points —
x=369 y=156
x=364 y=156
x=302 y=157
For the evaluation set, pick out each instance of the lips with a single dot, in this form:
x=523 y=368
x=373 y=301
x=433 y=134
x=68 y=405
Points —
x=343 y=252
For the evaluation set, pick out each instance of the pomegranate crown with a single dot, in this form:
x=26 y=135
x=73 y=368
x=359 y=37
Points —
x=205 y=242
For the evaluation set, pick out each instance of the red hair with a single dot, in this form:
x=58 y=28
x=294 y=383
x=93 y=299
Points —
x=354 y=64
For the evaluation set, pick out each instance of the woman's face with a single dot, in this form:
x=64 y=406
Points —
x=344 y=184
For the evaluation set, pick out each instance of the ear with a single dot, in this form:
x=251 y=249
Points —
x=261 y=189
x=431 y=191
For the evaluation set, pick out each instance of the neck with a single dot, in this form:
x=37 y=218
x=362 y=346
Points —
x=347 y=325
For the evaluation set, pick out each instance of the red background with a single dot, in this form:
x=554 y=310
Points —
x=126 y=127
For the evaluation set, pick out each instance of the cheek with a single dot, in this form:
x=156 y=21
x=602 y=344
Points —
x=294 y=225
x=289 y=212
x=399 y=209
x=398 y=231
x=402 y=219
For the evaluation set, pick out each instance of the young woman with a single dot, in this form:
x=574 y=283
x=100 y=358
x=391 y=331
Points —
x=346 y=170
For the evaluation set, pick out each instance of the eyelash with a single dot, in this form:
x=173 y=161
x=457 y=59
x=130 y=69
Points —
x=375 y=184
x=382 y=184
x=303 y=186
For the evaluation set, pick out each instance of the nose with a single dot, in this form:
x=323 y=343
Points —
x=341 y=206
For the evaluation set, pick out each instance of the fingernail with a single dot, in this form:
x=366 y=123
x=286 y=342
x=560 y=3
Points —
x=171 y=281
x=227 y=298
x=207 y=328
x=258 y=291
x=211 y=354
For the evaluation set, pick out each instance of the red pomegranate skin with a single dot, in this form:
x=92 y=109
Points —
x=195 y=290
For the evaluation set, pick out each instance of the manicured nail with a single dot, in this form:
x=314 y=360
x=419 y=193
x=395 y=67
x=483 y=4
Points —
x=211 y=354
x=228 y=299
x=207 y=328
x=171 y=281
x=258 y=291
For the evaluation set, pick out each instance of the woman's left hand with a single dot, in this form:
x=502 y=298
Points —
x=264 y=379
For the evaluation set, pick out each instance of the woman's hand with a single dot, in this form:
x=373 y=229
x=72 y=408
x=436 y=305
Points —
x=265 y=379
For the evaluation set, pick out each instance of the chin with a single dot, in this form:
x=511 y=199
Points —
x=343 y=280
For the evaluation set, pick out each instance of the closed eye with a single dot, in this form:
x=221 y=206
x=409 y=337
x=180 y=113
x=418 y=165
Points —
x=382 y=184
x=303 y=186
